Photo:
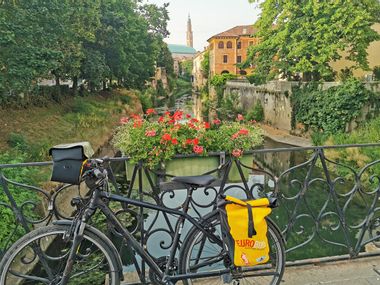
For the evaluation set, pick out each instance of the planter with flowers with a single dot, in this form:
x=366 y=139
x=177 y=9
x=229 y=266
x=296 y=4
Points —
x=157 y=139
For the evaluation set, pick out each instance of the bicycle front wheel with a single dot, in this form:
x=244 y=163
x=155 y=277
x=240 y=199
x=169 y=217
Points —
x=201 y=255
x=40 y=257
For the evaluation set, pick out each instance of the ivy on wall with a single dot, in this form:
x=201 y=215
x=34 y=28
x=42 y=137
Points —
x=330 y=110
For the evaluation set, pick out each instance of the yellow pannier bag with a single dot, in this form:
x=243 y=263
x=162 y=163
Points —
x=245 y=230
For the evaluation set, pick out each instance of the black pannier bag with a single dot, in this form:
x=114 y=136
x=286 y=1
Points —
x=68 y=160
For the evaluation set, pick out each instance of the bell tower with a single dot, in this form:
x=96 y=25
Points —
x=189 y=34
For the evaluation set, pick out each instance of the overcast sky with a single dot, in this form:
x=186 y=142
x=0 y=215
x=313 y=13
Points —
x=209 y=17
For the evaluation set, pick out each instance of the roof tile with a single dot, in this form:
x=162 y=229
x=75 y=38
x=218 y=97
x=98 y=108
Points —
x=237 y=31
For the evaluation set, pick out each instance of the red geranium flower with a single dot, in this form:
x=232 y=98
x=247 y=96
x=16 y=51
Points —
x=135 y=117
x=240 y=117
x=151 y=111
x=161 y=119
x=195 y=141
x=137 y=123
x=193 y=120
x=177 y=116
x=207 y=125
x=124 y=120
x=188 y=141
x=151 y=133
x=216 y=122
x=188 y=116
x=237 y=152
x=174 y=141
x=234 y=136
x=198 y=149
x=167 y=137
x=243 y=132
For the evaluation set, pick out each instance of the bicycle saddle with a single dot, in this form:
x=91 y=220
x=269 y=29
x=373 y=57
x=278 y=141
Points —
x=198 y=181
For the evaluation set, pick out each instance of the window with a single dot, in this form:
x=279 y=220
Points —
x=225 y=58
x=229 y=44
x=221 y=44
x=239 y=45
x=238 y=59
x=243 y=72
x=251 y=43
x=225 y=72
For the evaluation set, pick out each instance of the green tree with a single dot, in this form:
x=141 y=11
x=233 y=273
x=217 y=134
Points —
x=27 y=51
x=186 y=69
x=305 y=36
x=205 y=64
x=165 y=59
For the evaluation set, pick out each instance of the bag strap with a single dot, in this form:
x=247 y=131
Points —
x=251 y=224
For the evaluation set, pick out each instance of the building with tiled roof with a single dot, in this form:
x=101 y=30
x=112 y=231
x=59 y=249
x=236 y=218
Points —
x=229 y=48
x=181 y=50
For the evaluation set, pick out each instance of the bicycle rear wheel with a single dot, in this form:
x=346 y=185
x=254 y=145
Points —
x=40 y=257
x=200 y=255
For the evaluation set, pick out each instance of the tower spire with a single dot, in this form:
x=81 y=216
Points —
x=189 y=34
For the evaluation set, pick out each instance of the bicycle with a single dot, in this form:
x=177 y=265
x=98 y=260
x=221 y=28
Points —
x=81 y=251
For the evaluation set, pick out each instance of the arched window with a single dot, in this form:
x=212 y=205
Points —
x=243 y=72
x=221 y=44
x=225 y=72
x=239 y=45
x=229 y=44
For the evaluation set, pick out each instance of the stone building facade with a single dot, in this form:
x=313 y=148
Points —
x=229 y=48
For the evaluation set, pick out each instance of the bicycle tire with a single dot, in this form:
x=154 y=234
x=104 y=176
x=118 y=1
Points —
x=40 y=257
x=198 y=248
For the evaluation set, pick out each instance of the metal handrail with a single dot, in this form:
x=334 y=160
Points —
x=330 y=214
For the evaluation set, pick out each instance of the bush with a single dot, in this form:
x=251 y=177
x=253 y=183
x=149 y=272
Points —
x=21 y=175
x=229 y=106
x=18 y=141
x=329 y=111
x=146 y=98
x=81 y=106
x=257 y=112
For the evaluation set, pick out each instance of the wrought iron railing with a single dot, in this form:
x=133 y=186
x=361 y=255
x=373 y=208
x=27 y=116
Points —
x=326 y=208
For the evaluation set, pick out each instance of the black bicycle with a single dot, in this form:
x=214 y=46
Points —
x=74 y=252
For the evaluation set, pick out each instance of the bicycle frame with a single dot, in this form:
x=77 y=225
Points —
x=99 y=200
x=136 y=245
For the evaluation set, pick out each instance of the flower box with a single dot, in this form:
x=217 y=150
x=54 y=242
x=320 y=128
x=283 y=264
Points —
x=156 y=140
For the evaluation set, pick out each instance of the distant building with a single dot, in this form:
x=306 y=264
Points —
x=183 y=52
x=189 y=33
x=229 y=48
x=199 y=80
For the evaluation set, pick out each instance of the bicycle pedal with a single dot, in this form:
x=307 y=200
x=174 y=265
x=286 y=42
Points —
x=227 y=278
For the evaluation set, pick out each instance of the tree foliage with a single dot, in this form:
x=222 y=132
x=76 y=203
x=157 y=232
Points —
x=205 y=64
x=96 y=40
x=305 y=36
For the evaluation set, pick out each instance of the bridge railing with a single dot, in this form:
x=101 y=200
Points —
x=327 y=207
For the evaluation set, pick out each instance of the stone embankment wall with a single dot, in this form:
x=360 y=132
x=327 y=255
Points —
x=275 y=97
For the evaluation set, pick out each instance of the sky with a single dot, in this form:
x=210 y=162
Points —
x=208 y=17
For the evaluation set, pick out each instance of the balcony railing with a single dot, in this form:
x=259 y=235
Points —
x=327 y=208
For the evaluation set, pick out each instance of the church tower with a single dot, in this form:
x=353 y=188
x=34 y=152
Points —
x=189 y=35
